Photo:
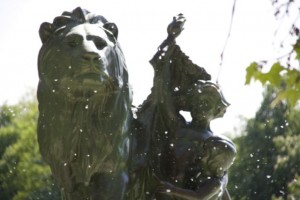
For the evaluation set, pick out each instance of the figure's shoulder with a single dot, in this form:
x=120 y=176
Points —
x=189 y=133
x=220 y=139
x=221 y=145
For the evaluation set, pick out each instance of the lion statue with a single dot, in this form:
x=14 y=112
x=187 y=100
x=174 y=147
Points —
x=84 y=106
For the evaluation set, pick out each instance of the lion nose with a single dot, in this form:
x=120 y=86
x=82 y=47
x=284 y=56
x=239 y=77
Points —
x=90 y=56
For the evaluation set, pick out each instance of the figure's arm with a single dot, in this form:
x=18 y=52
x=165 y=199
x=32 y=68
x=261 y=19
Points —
x=163 y=75
x=174 y=29
x=211 y=188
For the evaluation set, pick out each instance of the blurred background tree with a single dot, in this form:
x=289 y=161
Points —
x=268 y=160
x=23 y=174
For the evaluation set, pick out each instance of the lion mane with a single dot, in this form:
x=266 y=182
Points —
x=83 y=117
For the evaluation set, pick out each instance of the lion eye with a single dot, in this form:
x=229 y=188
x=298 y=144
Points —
x=73 y=40
x=73 y=43
x=100 y=43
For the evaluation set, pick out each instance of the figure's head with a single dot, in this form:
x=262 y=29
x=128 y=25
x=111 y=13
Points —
x=206 y=102
x=80 y=56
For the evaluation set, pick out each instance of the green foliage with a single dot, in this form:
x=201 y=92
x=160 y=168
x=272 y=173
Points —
x=7 y=135
x=285 y=79
x=294 y=188
x=23 y=174
x=273 y=76
x=284 y=73
x=268 y=159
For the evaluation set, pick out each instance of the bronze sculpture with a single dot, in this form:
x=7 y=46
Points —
x=202 y=159
x=173 y=165
x=84 y=106
x=86 y=132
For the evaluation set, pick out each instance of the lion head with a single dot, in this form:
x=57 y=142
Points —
x=81 y=57
x=84 y=97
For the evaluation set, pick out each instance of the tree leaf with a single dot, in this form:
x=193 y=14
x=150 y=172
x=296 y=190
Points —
x=252 y=71
x=273 y=76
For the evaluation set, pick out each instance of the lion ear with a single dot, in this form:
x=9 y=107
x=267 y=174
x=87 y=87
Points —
x=46 y=30
x=112 y=27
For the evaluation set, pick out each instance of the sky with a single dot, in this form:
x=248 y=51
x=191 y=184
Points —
x=142 y=27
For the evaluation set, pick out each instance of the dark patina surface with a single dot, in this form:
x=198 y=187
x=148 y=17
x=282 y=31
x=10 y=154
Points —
x=84 y=106
x=86 y=132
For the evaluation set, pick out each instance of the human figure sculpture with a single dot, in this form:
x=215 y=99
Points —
x=166 y=175
x=174 y=73
x=202 y=159
x=84 y=106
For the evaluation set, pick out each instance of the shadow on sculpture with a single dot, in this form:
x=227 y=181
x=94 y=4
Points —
x=86 y=132
x=84 y=106
x=183 y=160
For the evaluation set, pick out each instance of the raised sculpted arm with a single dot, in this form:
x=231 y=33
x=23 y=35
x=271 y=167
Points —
x=162 y=64
x=174 y=30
